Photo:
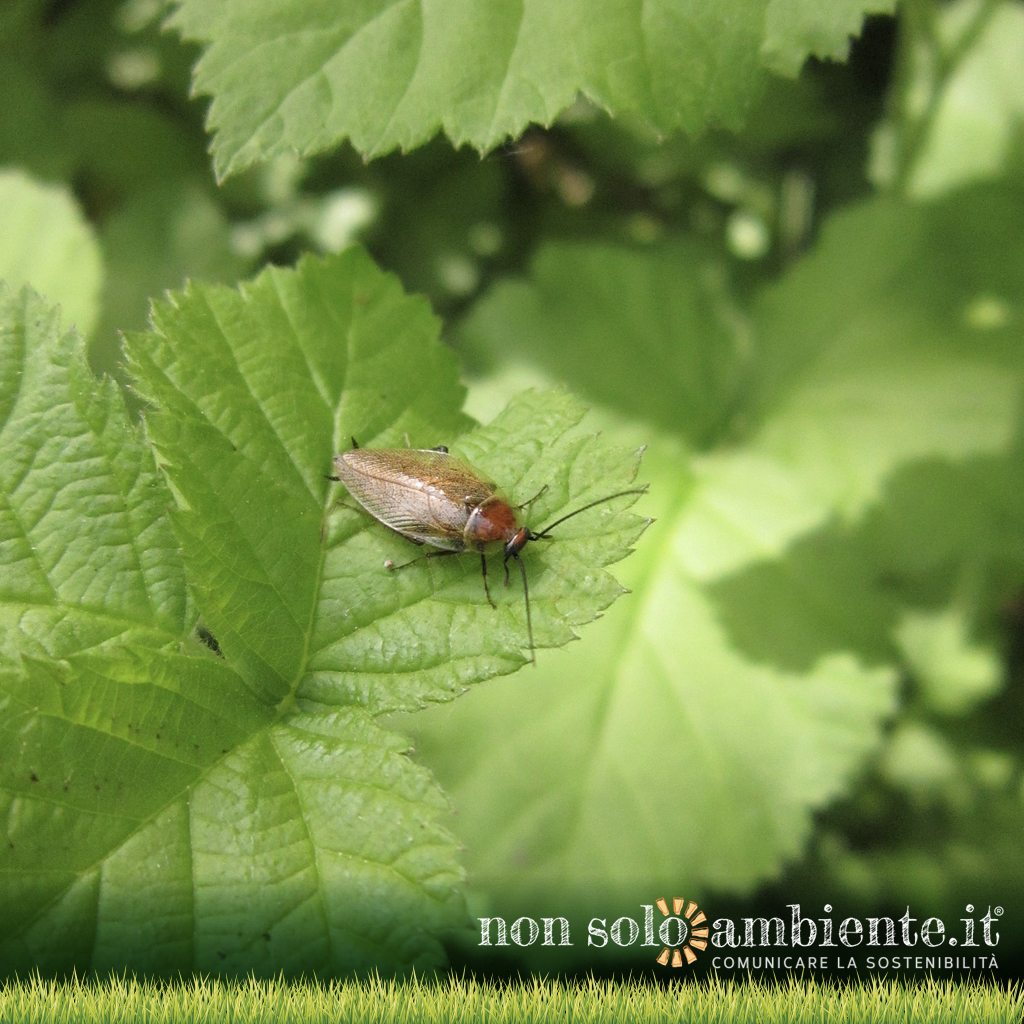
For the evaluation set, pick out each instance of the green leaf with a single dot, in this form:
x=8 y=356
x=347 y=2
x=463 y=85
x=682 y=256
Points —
x=871 y=357
x=93 y=747
x=604 y=316
x=31 y=118
x=47 y=243
x=952 y=672
x=182 y=829
x=391 y=74
x=255 y=390
x=946 y=536
x=959 y=816
x=795 y=29
x=980 y=109
x=160 y=813
x=747 y=681
x=89 y=558
x=131 y=148
x=655 y=748
x=157 y=239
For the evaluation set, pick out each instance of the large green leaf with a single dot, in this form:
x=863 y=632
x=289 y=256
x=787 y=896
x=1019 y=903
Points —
x=390 y=74
x=690 y=737
x=159 y=813
x=161 y=820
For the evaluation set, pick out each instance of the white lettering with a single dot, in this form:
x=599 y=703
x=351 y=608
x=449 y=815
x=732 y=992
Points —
x=766 y=924
x=850 y=927
x=549 y=925
x=723 y=933
x=890 y=931
x=517 y=931
x=634 y=931
x=933 y=926
x=485 y=931
x=664 y=932
x=796 y=935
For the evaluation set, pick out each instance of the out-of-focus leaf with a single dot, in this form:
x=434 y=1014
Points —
x=870 y=356
x=157 y=239
x=652 y=333
x=47 y=243
x=797 y=29
x=672 y=715
x=946 y=534
x=128 y=148
x=389 y=75
x=31 y=120
x=918 y=760
x=979 y=115
x=951 y=672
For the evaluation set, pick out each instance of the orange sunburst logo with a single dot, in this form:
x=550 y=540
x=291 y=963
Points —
x=691 y=935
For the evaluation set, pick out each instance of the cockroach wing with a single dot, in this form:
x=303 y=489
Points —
x=426 y=496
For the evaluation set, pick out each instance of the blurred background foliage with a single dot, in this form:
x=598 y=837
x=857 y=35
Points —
x=816 y=693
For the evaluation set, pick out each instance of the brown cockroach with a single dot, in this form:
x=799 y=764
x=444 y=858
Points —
x=433 y=498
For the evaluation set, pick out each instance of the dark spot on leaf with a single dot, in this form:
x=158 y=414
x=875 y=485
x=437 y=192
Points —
x=266 y=936
x=158 y=735
x=34 y=777
x=207 y=638
x=66 y=787
x=96 y=786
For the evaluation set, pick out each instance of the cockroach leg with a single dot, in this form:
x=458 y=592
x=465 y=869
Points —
x=421 y=558
x=341 y=503
x=483 y=572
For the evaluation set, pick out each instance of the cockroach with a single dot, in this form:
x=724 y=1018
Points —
x=433 y=498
